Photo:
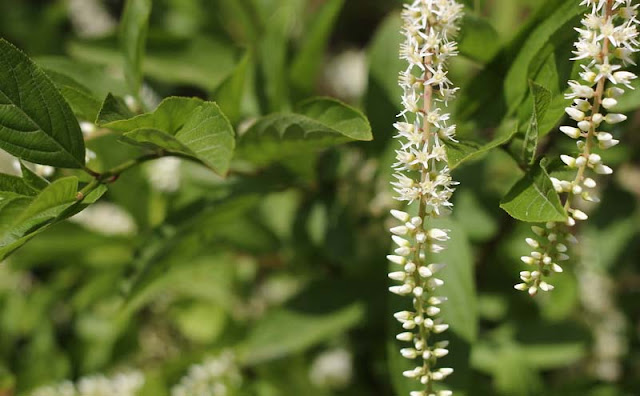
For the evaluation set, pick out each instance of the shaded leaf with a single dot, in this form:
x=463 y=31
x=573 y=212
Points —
x=230 y=94
x=466 y=149
x=113 y=109
x=541 y=102
x=478 y=39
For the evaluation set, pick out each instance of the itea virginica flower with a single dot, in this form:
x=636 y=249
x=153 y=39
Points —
x=607 y=39
x=423 y=176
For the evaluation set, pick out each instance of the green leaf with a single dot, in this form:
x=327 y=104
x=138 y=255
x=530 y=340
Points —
x=36 y=124
x=113 y=109
x=285 y=332
x=533 y=198
x=231 y=92
x=306 y=64
x=184 y=126
x=133 y=35
x=466 y=149
x=478 y=40
x=541 y=102
x=318 y=123
x=22 y=217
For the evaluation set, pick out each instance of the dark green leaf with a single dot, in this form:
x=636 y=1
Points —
x=36 y=124
x=133 y=35
x=533 y=198
x=319 y=123
x=15 y=185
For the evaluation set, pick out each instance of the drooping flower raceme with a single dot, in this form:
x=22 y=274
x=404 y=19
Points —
x=607 y=40
x=422 y=176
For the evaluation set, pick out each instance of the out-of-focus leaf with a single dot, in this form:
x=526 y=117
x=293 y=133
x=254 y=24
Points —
x=307 y=62
x=230 y=94
x=204 y=61
x=534 y=199
x=318 y=123
x=478 y=40
x=133 y=35
x=285 y=332
x=11 y=186
x=32 y=179
x=36 y=124
x=466 y=149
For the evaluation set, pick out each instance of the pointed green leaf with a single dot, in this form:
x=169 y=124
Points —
x=36 y=124
x=231 y=92
x=82 y=101
x=170 y=116
x=133 y=35
x=533 y=198
x=318 y=123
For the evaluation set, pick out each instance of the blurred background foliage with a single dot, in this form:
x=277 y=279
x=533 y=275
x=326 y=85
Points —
x=285 y=264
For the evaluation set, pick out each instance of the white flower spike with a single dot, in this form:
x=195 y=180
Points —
x=422 y=176
x=607 y=39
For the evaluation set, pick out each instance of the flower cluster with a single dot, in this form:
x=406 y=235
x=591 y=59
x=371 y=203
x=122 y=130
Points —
x=216 y=376
x=124 y=384
x=607 y=39
x=422 y=176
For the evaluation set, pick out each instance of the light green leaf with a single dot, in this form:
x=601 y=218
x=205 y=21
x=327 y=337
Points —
x=533 y=198
x=285 y=332
x=133 y=35
x=21 y=217
x=318 y=123
x=307 y=63
x=187 y=127
x=466 y=149
x=36 y=124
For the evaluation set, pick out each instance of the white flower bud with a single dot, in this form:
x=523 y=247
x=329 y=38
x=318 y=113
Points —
x=400 y=215
x=615 y=118
x=572 y=132
x=433 y=311
x=399 y=230
x=608 y=143
x=569 y=161
x=397 y=259
x=521 y=286
x=602 y=169
x=425 y=272
x=440 y=352
x=440 y=328
x=406 y=336
x=574 y=113
x=589 y=183
x=409 y=353
x=579 y=215
x=545 y=286
x=532 y=242
x=556 y=268
x=584 y=125
x=398 y=276
x=608 y=103
x=581 y=161
x=403 y=251
x=597 y=119
x=400 y=241
x=410 y=267
x=594 y=159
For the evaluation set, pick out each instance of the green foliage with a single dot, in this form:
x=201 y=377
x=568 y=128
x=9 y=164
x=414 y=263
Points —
x=265 y=232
